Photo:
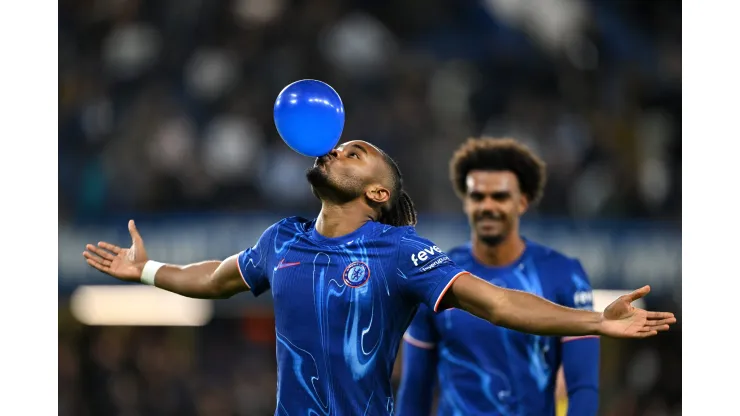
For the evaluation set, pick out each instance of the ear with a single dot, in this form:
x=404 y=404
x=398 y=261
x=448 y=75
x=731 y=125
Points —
x=378 y=194
x=523 y=204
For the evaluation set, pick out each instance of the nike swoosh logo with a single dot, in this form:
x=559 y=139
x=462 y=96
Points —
x=283 y=264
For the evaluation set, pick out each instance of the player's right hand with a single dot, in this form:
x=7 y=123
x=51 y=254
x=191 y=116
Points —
x=122 y=263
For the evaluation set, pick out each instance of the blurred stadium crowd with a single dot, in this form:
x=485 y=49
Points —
x=166 y=106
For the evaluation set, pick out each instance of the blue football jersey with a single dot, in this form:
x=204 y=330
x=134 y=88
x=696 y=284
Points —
x=483 y=369
x=341 y=308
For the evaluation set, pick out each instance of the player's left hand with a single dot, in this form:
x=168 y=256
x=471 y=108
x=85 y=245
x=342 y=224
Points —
x=622 y=320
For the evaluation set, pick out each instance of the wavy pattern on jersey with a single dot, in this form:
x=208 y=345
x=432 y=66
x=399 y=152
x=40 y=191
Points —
x=362 y=323
x=366 y=341
x=306 y=372
x=413 y=243
x=284 y=246
x=390 y=344
x=305 y=367
x=537 y=346
x=494 y=385
x=261 y=255
x=326 y=288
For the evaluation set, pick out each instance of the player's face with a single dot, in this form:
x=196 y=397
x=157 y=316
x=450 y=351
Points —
x=493 y=203
x=345 y=173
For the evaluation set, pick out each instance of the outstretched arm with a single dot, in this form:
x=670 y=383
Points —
x=525 y=312
x=206 y=280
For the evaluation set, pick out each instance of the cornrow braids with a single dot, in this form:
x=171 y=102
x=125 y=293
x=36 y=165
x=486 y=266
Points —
x=401 y=211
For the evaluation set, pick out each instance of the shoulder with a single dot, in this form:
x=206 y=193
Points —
x=285 y=228
x=459 y=254
x=398 y=234
x=296 y=220
x=293 y=224
x=391 y=230
x=409 y=241
x=553 y=258
x=563 y=268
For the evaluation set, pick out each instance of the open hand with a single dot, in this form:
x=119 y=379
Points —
x=122 y=263
x=622 y=320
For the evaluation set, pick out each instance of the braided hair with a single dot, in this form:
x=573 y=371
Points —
x=400 y=211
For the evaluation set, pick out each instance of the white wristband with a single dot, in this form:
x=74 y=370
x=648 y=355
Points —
x=150 y=270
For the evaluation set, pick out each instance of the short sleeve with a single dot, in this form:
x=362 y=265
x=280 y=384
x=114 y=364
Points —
x=253 y=263
x=577 y=292
x=422 y=332
x=424 y=271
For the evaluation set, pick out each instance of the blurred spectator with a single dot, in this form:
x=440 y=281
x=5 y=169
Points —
x=175 y=98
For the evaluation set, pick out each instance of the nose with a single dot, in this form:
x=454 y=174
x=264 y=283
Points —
x=488 y=204
x=488 y=207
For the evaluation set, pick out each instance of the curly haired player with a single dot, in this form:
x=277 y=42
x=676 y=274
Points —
x=487 y=369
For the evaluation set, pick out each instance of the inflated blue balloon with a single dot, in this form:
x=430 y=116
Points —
x=309 y=116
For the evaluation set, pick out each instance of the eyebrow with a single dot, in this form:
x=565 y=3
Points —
x=492 y=193
x=357 y=146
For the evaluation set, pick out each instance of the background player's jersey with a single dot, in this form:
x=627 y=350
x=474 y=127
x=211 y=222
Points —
x=488 y=370
x=341 y=308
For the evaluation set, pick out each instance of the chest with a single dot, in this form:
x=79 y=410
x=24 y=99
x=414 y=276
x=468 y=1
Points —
x=526 y=277
x=344 y=297
x=354 y=274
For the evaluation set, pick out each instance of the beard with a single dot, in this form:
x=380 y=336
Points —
x=492 y=240
x=326 y=188
x=316 y=177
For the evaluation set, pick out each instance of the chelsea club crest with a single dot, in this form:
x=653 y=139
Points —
x=356 y=274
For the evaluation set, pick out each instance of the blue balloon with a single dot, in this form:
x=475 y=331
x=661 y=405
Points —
x=309 y=116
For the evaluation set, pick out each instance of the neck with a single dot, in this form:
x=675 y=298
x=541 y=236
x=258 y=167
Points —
x=502 y=254
x=336 y=220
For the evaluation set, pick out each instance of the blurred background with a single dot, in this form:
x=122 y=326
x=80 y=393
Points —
x=165 y=115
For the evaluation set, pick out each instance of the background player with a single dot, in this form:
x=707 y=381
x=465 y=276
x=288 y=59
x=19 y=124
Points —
x=484 y=369
x=346 y=285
